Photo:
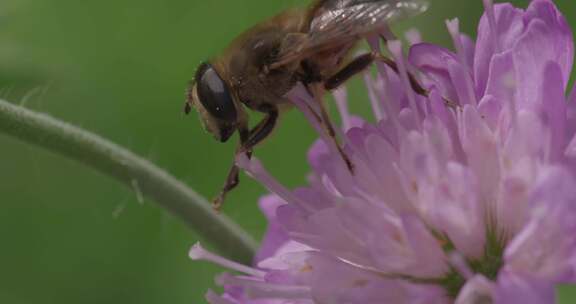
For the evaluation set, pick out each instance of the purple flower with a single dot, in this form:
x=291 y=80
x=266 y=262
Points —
x=464 y=196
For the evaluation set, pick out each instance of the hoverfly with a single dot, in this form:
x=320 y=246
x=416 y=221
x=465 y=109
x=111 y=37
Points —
x=310 y=45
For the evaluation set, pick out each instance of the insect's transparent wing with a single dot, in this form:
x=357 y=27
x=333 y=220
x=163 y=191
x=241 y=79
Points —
x=355 y=17
x=341 y=20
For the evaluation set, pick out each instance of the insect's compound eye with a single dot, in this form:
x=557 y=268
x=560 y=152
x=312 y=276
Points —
x=214 y=94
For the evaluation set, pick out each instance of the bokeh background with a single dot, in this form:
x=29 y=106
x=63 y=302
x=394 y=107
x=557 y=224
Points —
x=119 y=68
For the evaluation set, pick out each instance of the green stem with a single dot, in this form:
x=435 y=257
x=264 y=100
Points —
x=134 y=171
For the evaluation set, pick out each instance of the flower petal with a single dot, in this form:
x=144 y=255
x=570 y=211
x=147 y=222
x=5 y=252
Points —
x=547 y=11
x=554 y=108
x=275 y=235
x=509 y=25
x=433 y=61
x=477 y=290
x=552 y=225
x=534 y=49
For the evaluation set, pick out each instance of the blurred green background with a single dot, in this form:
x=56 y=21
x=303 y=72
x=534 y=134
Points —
x=119 y=68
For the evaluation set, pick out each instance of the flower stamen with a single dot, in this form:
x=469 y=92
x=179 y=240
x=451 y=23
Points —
x=341 y=98
x=198 y=253
x=489 y=9
x=374 y=100
x=256 y=170
x=214 y=298
x=454 y=30
x=259 y=289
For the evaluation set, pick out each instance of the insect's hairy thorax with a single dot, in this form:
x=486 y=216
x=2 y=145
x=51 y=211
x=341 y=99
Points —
x=247 y=58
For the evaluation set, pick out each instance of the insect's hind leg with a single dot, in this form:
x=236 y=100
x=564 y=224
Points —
x=248 y=139
x=356 y=66
x=416 y=86
x=360 y=63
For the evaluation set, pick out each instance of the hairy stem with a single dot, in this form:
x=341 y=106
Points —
x=134 y=171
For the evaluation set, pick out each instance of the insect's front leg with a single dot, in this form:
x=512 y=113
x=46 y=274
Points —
x=232 y=179
x=248 y=140
x=262 y=130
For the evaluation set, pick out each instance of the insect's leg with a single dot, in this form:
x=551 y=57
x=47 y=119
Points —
x=361 y=62
x=248 y=139
x=416 y=86
x=317 y=90
x=356 y=66
x=232 y=180
x=262 y=130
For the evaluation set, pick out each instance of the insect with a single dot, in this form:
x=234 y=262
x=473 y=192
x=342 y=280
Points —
x=309 y=45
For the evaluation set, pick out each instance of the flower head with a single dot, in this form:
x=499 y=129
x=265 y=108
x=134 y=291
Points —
x=464 y=194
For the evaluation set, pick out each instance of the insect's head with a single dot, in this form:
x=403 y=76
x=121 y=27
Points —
x=210 y=95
